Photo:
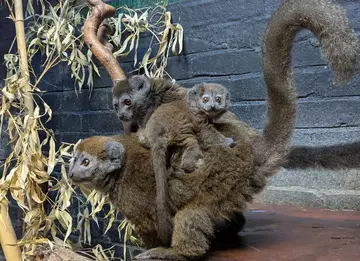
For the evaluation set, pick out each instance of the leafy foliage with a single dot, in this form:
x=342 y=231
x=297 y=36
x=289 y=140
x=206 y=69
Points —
x=55 y=35
x=165 y=36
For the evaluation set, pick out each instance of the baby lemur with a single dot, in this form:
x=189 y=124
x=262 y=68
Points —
x=207 y=103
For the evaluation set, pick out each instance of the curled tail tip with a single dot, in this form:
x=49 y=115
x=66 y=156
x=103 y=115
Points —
x=345 y=72
x=340 y=44
x=345 y=62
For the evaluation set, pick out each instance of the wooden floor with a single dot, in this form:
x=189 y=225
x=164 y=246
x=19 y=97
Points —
x=278 y=233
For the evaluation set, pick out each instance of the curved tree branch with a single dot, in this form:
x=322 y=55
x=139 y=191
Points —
x=99 y=12
x=95 y=29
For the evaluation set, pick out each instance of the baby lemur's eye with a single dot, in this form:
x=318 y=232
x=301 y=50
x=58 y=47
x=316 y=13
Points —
x=127 y=102
x=85 y=162
x=116 y=106
x=218 y=99
x=205 y=99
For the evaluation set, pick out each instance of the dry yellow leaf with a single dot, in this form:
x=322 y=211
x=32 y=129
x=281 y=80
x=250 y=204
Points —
x=51 y=158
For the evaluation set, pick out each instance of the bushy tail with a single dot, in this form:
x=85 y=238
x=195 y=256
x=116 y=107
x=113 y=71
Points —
x=339 y=46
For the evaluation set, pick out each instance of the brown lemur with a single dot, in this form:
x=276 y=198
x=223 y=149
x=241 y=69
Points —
x=230 y=177
x=211 y=195
x=173 y=123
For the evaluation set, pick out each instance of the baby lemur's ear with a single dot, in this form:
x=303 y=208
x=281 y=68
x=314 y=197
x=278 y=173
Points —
x=114 y=150
x=139 y=82
x=227 y=95
x=193 y=95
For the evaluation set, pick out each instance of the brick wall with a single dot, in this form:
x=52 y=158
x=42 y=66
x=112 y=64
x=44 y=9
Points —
x=222 y=44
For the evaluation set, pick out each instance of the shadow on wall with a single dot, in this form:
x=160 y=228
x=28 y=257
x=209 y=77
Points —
x=328 y=157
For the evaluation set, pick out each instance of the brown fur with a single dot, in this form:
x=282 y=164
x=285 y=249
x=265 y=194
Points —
x=121 y=87
x=159 y=131
x=199 y=197
x=160 y=91
x=162 y=131
x=230 y=177
x=339 y=45
x=195 y=133
x=210 y=112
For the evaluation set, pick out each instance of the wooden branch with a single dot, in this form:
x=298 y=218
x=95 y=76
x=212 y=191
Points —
x=99 y=12
x=95 y=30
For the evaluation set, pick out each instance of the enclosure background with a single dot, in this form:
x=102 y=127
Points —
x=222 y=44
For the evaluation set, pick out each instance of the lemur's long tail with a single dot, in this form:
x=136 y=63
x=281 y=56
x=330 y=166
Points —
x=339 y=47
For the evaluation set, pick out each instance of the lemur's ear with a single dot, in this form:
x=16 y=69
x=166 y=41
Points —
x=114 y=150
x=139 y=82
x=193 y=95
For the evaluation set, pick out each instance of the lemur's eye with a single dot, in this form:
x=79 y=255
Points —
x=205 y=99
x=127 y=102
x=218 y=99
x=116 y=106
x=85 y=162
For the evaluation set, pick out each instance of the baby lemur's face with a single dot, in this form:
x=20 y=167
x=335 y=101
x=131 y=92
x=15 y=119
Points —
x=130 y=96
x=210 y=98
x=95 y=159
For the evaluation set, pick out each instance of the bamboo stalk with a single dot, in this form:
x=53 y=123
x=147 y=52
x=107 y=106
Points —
x=7 y=235
x=21 y=44
x=8 y=238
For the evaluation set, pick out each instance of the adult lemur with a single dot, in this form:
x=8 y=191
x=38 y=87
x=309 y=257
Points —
x=230 y=176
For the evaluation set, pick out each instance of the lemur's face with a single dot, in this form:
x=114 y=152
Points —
x=131 y=98
x=212 y=102
x=210 y=98
x=96 y=160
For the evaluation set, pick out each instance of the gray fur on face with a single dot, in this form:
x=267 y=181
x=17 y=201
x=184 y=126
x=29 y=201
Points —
x=97 y=171
x=123 y=111
x=138 y=94
x=210 y=98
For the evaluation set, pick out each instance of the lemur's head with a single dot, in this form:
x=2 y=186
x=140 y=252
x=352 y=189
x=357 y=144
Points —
x=97 y=160
x=210 y=98
x=131 y=98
